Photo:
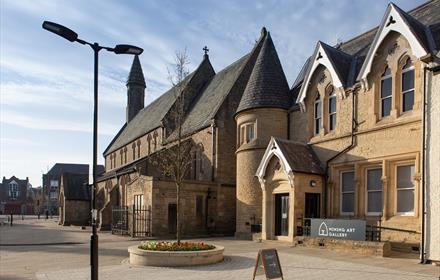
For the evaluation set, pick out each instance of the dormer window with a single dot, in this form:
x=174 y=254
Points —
x=408 y=86
x=13 y=190
x=332 y=110
x=317 y=114
x=247 y=132
x=386 y=92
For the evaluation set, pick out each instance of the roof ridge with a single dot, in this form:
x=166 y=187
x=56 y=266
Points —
x=377 y=26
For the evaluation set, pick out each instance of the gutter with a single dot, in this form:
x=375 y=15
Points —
x=349 y=147
x=435 y=69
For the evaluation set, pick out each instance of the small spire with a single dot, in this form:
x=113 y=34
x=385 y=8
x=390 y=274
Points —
x=263 y=31
x=136 y=74
x=206 y=50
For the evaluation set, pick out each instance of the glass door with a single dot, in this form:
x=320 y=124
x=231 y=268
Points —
x=282 y=214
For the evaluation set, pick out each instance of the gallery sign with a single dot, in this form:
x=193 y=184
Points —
x=338 y=229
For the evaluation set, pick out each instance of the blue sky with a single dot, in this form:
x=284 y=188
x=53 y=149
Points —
x=46 y=82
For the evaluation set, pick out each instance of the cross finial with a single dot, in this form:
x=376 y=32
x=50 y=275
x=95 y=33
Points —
x=206 y=50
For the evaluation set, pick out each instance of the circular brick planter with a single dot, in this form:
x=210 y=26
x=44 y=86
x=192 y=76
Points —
x=170 y=258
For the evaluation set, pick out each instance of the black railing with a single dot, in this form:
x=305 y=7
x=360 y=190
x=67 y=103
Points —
x=120 y=220
x=134 y=221
x=141 y=225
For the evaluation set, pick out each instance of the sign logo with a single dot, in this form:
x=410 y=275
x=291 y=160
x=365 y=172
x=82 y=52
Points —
x=323 y=230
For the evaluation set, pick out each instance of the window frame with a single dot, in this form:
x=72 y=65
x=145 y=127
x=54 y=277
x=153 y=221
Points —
x=244 y=129
x=341 y=192
x=317 y=101
x=413 y=212
x=332 y=95
x=384 y=77
x=14 y=191
x=402 y=92
x=138 y=201
x=367 y=191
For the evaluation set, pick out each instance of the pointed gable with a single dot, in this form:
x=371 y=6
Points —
x=136 y=75
x=338 y=63
x=267 y=85
x=294 y=156
x=395 y=19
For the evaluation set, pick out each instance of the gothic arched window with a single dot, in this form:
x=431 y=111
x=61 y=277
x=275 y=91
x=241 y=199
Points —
x=139 y=148
x=407 y=86
x=317 y=114
x=386 y=93
x=332 y=109
x=133 y=148
x=149 y=144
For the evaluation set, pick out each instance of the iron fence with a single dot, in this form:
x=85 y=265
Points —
x=134 y=221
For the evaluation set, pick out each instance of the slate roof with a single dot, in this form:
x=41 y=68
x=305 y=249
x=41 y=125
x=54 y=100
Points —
x=427 y=14
x=75 y=186
x=136 y=75
x=300 y=157
x=146 y=120
x=60 y=168
x=207 y=105
x=207 y=100
x=341 y=61
x=20 y=182
x=267 y=85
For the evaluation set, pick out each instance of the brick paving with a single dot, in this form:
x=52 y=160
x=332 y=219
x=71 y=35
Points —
x=241 y=267
x=63 y=260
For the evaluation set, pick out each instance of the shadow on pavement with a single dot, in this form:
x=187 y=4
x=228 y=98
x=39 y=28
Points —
x=229 y=263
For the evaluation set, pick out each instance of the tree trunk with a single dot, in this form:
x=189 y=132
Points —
x=178 y=213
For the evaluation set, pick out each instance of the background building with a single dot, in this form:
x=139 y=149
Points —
x=52 y=180
x=14 y=198
x=74 y=199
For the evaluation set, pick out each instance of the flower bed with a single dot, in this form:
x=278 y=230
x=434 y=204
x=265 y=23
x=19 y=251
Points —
x=173 y=246
x=170 y=254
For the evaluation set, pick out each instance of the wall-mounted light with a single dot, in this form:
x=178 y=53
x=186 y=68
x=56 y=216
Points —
x=312 y=183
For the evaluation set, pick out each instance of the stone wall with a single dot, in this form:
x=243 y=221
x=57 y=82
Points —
x=76 y=212
x=269 y=122
x=377 y=142
x=432 y=168
x=218 y=201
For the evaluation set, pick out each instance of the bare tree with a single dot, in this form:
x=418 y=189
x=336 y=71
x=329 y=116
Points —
x=174 y=161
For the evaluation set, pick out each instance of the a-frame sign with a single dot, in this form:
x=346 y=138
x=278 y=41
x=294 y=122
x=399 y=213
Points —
x=268 y=263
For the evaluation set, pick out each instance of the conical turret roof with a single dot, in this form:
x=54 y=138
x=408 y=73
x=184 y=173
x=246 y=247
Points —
x=267 y=86
x=136 y=75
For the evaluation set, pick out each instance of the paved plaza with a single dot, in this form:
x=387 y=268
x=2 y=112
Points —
x=40 y=249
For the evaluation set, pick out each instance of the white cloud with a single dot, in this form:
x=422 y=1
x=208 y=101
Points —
x=54 y=123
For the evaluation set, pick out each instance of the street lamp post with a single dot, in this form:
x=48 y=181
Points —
x=72 y=36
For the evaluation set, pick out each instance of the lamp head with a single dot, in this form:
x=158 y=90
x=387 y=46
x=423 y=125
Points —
x=60 y=30
x=127 y=49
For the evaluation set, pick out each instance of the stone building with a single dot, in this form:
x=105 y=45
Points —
x=344 y=141
x=211 y=101
x=74 y=199
x=354 y=144
x=14 y=198
x=52 y=180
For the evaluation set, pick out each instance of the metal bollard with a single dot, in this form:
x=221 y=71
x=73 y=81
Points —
x=12 y=218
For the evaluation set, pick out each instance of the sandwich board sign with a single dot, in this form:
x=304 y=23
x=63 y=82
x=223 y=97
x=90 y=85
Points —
x=268 y=263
